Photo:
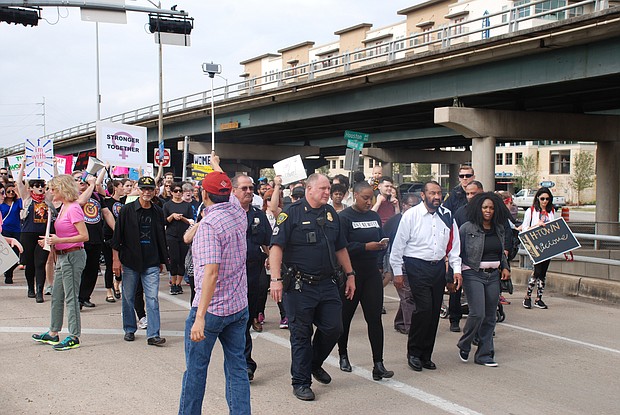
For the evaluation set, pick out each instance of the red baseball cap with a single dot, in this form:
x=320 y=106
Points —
x=217 y=183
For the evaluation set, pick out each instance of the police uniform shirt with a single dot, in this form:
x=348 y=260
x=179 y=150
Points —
x=299 y=233
x=258 y=234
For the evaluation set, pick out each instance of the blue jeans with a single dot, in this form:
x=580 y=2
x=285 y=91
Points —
x=231 y=332
x=150 y=282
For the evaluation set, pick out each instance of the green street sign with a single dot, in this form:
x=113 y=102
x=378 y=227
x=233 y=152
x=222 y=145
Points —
x=355 y=145
x=353 y=135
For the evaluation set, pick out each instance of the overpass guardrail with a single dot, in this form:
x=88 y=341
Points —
x=530 y=14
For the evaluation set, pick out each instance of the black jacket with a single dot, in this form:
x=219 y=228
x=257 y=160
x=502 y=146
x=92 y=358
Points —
x=126 y=239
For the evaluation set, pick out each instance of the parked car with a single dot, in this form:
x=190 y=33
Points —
x=406 y=188
x=525 y=198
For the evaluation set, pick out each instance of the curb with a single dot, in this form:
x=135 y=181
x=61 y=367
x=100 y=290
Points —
x=571 y=285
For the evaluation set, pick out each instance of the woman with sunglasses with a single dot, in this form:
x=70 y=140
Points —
x=34 y=218
x=11 y=226
x=539 y=214
x=179 y=215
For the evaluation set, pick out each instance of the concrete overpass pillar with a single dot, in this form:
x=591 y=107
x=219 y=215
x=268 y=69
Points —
x=453 y=178
x=387 y=169
x=607 y=186
x=483 y=161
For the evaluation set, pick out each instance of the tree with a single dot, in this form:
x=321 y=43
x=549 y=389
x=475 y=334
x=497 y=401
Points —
x=583 y=172
x=527 y=172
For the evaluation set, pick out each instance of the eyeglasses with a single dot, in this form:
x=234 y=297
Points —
x=465 y=176
x=37 y=185
x=246 y=188
x=543 y=198
x=177 y=191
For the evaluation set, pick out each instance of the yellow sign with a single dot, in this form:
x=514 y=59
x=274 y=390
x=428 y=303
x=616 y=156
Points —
x=233 y=125
x=199 y=171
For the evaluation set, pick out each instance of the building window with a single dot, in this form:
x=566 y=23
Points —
x=371 y=163
x=333 y=164
x=559 y=162
x=499 y=159
x=342 y=163
x=522 y=11
x=518 y=158
x=508 y=159
x=552 y=5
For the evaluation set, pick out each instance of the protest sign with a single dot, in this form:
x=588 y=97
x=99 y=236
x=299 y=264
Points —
x=7 y=256
x=64 y=164
x=291 y=169
x=81 y=163
x=199 y=171
x=39 y=159
x=121 y=144
x=14 y=164
x=545 y=242
x=204 y=159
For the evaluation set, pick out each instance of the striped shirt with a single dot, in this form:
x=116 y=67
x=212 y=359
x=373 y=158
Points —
x=221 y=239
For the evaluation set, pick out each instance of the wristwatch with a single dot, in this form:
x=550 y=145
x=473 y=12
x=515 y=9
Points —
x=350 y=273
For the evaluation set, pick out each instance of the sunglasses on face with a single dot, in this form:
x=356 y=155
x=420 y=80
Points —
x=3 y=173
x=543 y=198
x=10 y=192
x=246 y=188
x=35 y=185
x=177 y=191
x=465 y=176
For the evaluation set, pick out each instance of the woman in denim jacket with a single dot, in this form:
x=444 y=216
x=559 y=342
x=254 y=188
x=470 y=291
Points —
x=484 y=263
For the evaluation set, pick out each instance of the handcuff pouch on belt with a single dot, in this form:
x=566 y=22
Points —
x=291 y=277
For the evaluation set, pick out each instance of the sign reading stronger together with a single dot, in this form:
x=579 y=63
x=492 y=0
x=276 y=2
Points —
x=545 y=242
x=121 y=144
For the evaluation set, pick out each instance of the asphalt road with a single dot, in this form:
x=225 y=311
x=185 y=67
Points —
x=563 y=360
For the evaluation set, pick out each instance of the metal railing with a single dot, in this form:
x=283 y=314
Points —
x=510 y=21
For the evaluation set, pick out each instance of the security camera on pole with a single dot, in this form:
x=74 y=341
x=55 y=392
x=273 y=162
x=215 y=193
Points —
x=212 y=69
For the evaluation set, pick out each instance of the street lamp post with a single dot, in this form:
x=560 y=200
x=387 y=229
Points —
x=212 y=69
x=226 y=87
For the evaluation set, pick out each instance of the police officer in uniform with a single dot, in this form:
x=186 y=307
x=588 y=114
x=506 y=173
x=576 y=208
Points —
x=307 y=243
x=258 y=235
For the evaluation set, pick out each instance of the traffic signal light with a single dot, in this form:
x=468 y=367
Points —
x=27 y=17
x=170 y=25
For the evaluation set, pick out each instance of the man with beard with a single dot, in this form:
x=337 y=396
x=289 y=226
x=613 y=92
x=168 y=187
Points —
x=426 y=240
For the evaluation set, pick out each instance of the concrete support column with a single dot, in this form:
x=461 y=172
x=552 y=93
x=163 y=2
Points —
x=453 y=178
x=483 y=161
x=607 y=186
x=387 y=168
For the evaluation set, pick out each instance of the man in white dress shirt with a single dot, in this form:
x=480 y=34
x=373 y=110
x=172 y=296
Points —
x=426 y=241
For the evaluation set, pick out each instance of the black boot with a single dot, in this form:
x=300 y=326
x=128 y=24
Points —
x=8 y=279
x=345 y=365
x=31 y=293
x=39 y=295
x=379 y=371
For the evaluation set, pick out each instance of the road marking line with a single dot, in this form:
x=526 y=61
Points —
x=555 y=336
x=395 y=385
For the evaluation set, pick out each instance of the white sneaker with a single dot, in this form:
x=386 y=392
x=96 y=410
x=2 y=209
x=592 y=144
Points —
x=143 y=324
x=48 y=290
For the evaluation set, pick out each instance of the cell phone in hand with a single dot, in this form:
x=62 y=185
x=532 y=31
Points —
x=384 y=241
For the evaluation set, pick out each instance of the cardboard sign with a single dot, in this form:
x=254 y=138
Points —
x=82 y=159
x=7 y=256
x=121 y=144
x=204 y=159
x=64 y=164
x=14 y=164
x=199 y=171
x=39 y=159
x=291 y=169
x=545 y=242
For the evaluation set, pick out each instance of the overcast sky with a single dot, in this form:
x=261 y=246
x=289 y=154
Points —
x=56 y=59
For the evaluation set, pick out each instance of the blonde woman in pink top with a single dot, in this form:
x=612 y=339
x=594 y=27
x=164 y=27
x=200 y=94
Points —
x=68 y=243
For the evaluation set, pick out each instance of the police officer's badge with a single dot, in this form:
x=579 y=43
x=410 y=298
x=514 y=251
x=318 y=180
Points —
x=330 y=217
x=281 y=218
